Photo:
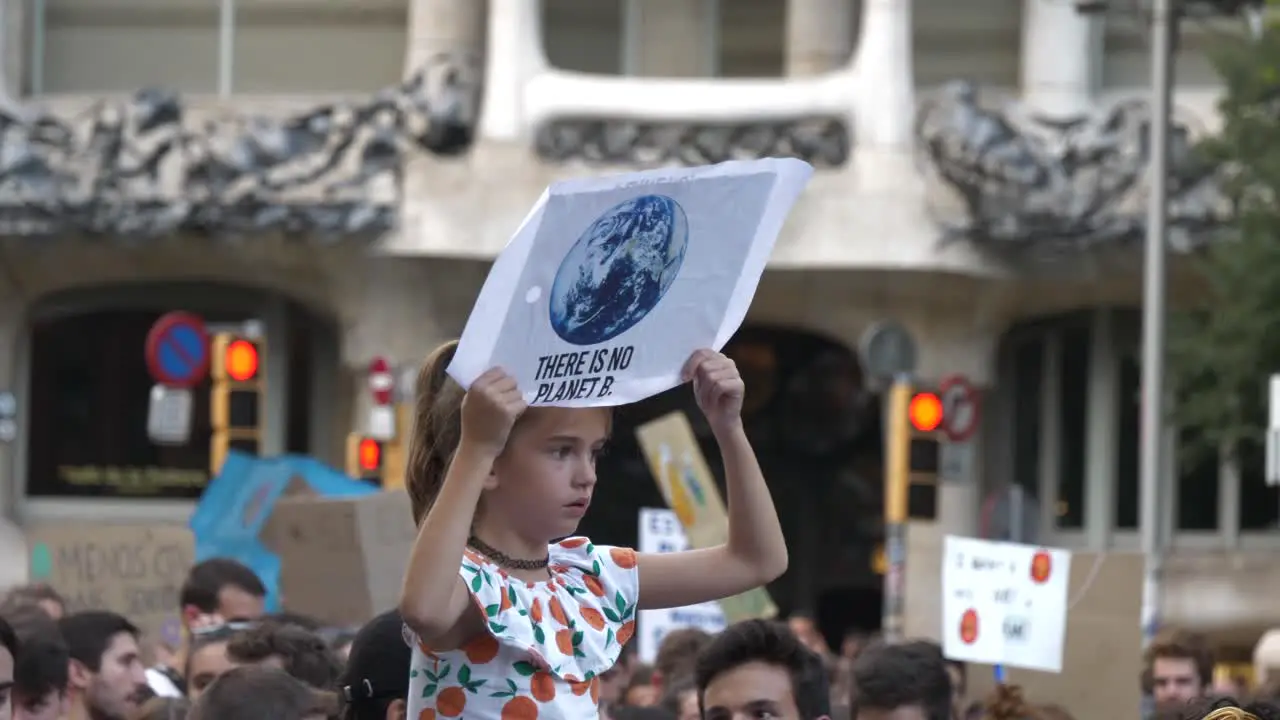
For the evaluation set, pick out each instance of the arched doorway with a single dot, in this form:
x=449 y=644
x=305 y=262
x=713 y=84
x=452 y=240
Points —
x=816 y=430
x=87 y=390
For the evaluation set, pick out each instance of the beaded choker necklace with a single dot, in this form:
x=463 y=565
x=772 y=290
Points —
x=502 y=559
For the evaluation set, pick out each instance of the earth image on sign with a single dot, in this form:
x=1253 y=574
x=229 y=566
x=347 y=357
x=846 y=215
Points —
x=618 y=270
x=1041 y=567
x=969 y=626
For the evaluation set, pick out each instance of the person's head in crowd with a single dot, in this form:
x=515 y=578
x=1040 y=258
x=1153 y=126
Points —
x=106 y=679
x=163 y=708
x=854 y=640
x=1179 y=665
x=906 y=681
x=642 y=713
x=221 y=589
x=40 y=671
x=41 y=595
x=8 y=654
x=805 y=627
x=301 y=653
x=262 y=693
x=614 y=680
x=1220 y=708
x=207 y=657
x=677 y=655
x=760 y=668
x=958 y=673
x=640 y=690
x=680 y=698
x=375 y=682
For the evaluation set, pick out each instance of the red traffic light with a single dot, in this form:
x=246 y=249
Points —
x=241 y=361
x=369 y=454
x=925 y=412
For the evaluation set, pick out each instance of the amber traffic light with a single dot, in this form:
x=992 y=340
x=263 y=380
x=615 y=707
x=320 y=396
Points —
x=236 y=399
x=365 y=458
x=925 y=412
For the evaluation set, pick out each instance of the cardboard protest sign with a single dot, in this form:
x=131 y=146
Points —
x=235 y=507
x=342 y=560
x=681 y=471
x=134 y=570
x=610 y=284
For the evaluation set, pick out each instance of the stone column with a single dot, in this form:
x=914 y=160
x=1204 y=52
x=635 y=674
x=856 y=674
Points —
x=513 y=55
x=443 y=26
x=1061 y=57
x=671 y=38
x=13 y=50
x=819 y=36
x=886 y=79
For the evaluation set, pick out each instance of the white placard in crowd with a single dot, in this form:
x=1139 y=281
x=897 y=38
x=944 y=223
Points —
x=660 y=531
x=1004 y=603
x=611 y=283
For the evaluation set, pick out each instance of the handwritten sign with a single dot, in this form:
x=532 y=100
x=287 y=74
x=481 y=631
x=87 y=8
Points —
x=611 y=283
x=135 y=570
x=660 y=532
x=1004 y=603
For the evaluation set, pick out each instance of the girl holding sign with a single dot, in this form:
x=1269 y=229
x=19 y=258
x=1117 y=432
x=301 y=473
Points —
x=508 y=624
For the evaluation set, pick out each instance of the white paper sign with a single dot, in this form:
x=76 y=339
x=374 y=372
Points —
x=610 y=284
x=1004 y=603
x=660 y=531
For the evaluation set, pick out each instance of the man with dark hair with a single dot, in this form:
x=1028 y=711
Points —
x=901 y=682
x=759 y=667
x=375 y=682
x=1180 y=666
x=40 y=671
x=262 y=693
x=106 y=680
x=8 y=654
x=216 y=590
x=299 y=652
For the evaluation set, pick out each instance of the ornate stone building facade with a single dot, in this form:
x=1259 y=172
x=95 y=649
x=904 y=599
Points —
x=345 y=174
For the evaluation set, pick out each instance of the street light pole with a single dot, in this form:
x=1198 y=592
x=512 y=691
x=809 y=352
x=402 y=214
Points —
x=1154 y=310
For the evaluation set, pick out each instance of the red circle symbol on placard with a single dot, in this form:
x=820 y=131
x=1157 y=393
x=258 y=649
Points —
x=1041 y=567
x=969 y=626
x=381 y=383
x=961 y=408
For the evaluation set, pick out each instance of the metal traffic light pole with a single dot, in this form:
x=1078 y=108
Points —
x=897 y=478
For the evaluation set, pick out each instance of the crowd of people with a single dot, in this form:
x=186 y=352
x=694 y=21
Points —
x=506 y=615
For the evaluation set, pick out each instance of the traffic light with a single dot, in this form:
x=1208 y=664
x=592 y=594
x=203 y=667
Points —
x=925 y=415
x=237 y=398
x=365 y=458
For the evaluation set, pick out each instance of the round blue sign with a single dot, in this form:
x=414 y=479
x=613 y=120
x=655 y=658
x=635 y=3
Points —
x=177 y=350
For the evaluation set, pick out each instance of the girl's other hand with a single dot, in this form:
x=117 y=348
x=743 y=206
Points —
x=490 y=409
x=717 y=386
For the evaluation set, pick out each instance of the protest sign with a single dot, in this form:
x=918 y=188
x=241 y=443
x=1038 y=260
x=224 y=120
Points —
x=134 y=570
x=1004 y=603
x=660 y=532
x=610 y=284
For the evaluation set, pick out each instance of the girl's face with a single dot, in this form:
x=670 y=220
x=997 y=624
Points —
x=543 y=482
x=206 y=664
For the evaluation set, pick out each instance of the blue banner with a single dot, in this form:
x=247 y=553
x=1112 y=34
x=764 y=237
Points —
x=234 y=508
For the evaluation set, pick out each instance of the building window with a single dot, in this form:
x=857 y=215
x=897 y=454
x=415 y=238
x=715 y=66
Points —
x=88 y=418
x=1128 y=411
x=119 y=46
x=1198 y=484
x=1073 y=391
x=584 y=35
x=1028 y=404
x=753 y=38
x=1259 y=504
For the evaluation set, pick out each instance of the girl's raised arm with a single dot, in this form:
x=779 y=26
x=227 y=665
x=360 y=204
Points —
x=434 y=598
x=756 y=552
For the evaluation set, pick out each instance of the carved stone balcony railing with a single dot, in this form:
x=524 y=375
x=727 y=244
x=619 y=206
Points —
x=156 y=164
x=1011 y=181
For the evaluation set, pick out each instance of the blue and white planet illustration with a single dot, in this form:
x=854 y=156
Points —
x=619 y=269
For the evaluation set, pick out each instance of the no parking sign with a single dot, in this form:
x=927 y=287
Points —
x=177 y=354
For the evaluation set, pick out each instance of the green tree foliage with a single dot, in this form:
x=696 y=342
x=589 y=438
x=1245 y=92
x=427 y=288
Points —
x=1222 y=350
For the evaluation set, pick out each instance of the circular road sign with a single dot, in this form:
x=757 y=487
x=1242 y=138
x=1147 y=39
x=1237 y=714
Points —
x=177 y=350
x=961 y=409
x=381 y=382
x=887 y=349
